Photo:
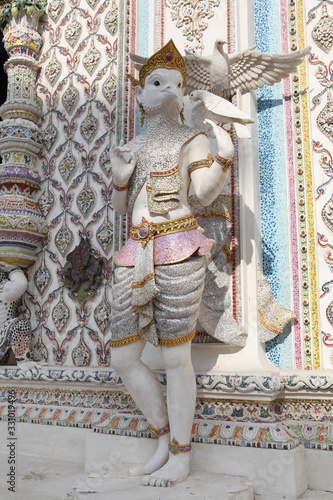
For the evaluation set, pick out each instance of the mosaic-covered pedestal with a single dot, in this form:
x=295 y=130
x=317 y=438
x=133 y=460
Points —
x=22 y=223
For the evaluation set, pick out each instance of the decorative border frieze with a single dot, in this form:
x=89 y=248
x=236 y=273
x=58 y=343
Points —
x=276 y=435
x=280 y=424
x=215 y=384
x=62 y=375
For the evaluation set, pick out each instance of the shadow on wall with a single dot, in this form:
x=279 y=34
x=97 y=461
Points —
x=3 y=75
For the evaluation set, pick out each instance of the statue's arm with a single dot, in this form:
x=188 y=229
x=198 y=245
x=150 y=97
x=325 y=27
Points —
x=16 y=286
x=123 y=164
x=208 y=182
x=119 y=201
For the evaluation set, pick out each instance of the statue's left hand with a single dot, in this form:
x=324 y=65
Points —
x=223 y=139
x=123 y=163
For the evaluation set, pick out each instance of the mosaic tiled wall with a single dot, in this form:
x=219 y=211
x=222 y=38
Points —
x=79 y=77
x=88 y=105
x=295 y=163
x=273 y=179
x=319 y=32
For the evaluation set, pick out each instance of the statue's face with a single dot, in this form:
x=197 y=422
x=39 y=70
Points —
x=163 y=86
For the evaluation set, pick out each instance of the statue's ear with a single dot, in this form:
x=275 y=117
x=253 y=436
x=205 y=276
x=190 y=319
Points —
x=138 y=96
x=138 y=92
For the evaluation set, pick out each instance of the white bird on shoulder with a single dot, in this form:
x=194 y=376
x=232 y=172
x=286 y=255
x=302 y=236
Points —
x=208 y=105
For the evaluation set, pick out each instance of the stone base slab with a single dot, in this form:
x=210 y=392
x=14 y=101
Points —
x=198 y=486
x=49 y=455
x=270 y=472
x=319 y=477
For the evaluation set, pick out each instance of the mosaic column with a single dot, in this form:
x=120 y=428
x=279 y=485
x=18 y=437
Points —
x=22 y=224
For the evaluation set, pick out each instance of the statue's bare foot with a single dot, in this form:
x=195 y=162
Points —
x=174 y=471
x=159 y=458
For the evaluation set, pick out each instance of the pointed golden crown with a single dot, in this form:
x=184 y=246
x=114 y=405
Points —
x=167 y=57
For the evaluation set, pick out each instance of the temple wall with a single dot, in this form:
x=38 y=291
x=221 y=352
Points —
x=294 y=153
x=277 y=396
x=89 y=105
x=78 y=85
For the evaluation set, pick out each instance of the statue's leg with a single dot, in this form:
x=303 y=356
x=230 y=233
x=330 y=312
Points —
x=176 y=313
x=181 y=397
x=20 y=339
x=147 y=393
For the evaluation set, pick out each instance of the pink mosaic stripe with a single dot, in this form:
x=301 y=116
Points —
x=130 y=46
x=162 y=24
x=292 y=191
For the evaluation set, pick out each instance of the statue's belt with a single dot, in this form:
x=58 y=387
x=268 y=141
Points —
x=148 y=230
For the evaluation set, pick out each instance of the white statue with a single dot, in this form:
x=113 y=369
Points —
x=15 y=332
x=161 y=268
x=160 y=271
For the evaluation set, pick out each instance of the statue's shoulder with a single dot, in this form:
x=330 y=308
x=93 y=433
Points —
x=136 y=143
x=187 y=133
x=186 y=129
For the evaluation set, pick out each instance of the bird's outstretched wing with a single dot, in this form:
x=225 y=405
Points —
x=198 y=72
x=251 y=69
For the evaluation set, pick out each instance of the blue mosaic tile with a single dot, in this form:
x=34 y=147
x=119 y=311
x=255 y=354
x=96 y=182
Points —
x=142 y=43
x=273 y=181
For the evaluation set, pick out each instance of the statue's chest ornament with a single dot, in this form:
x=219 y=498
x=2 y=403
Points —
x=163 y=190
x=163 y=181
x=157 y=159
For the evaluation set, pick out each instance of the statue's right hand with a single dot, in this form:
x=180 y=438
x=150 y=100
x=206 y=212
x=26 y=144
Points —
x=123 y=163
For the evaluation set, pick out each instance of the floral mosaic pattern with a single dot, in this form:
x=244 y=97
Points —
x=79 y=70
x=319 y=23
x=84 y=60
x=193 y=18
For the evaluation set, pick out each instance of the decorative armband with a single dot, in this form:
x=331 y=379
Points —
x=120 y=187
x=225 y=163
x=206 y=163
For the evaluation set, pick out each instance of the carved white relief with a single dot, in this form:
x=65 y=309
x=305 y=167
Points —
x=192 y=16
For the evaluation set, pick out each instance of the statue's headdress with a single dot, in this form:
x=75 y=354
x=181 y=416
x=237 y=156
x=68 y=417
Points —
x=167 y=57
